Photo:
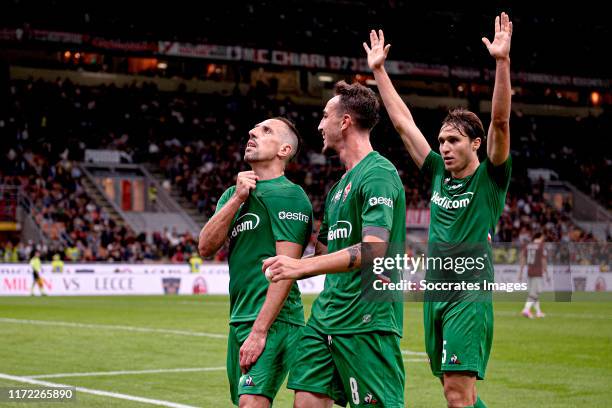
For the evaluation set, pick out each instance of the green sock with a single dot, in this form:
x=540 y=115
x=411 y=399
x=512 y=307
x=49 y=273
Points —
x=479 y=403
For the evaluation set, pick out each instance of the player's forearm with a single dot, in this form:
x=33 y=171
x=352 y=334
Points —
x=275 y=299
x=344 y=260
x=498 y=145
x=401 y=117
x=502 y=93
x=215 y=231
x=398 y=111
x=320 y=249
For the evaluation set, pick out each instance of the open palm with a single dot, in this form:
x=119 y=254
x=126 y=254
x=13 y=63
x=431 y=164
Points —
x=500 y=48
x=377 y=51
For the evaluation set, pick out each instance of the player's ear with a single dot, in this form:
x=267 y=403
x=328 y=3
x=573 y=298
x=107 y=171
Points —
x=476 y=144
x=285 y=151
x=346 y=121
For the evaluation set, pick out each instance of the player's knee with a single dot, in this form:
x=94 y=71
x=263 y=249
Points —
x=254 y=401
x=312 y=400
x=457 y=397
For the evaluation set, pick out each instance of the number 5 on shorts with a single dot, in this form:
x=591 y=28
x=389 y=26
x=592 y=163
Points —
x=444 y=352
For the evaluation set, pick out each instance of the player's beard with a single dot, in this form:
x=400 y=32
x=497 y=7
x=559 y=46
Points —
x=328 y=148
x=252 y=155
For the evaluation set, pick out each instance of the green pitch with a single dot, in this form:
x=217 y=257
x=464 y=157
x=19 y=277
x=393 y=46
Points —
x=104 y=344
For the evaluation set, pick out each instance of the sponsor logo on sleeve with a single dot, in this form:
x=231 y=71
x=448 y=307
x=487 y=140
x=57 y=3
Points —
x=380 y=201
x=294 y=216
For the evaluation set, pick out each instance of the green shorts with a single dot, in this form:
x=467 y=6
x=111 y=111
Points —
x=269 y=371
x=458 y=336
x=363 y=369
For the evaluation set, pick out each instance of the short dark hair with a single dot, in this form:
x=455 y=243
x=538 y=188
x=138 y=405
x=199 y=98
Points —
x=466 y=122
x=360 y=102
x=293 y=130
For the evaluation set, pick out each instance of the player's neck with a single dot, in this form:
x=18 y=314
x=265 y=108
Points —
x=467 y=170
x=355 y=149
x=266 y=170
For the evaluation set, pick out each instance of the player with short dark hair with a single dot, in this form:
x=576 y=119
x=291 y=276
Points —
x=263 y=215
x=350 y=349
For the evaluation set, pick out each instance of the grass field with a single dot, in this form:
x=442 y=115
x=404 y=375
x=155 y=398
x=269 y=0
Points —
x=104 y=344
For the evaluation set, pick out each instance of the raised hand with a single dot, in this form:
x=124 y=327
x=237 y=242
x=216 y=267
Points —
x=500 y=48
x=377 y=51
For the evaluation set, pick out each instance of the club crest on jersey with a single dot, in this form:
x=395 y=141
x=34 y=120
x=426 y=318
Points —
x=347 y=190
x=454 y=360
x=370 y=399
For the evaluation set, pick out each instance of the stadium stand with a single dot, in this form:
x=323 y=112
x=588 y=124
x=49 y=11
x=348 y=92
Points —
x=187 y=119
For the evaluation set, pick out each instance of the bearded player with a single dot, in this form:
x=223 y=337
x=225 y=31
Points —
x=263 y=215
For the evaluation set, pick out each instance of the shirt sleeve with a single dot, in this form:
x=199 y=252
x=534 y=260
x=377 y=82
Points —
x=224 y=198
x=379 y=195
x=500 y=174
x=433 y=164
x=290 y=218
x=323 y=230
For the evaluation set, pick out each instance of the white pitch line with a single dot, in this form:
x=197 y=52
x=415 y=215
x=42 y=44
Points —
x=414 y=353
x=414 y=360
x=110 y=373
x=97 y=392
x=563 y=315
x=111 y=326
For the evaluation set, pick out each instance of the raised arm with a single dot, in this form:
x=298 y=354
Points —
x=400 y=115
x=214 y=233
x=498 y=145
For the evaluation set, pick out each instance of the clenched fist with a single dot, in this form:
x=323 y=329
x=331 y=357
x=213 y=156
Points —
x=245 y=182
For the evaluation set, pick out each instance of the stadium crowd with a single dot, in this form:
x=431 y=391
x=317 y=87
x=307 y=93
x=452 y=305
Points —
x=197 y=140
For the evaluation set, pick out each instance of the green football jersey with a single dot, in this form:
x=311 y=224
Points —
x=276 y=210
x=464 y=213
x=370 y=194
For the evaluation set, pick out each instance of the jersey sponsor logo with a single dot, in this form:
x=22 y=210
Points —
x=249 y=222
x=347 y=190
x=453 y=203
x=340 y=230
x=380 y=200
x=296 y=216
